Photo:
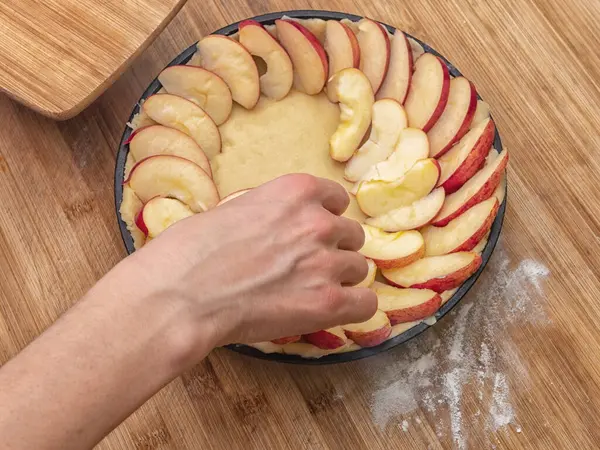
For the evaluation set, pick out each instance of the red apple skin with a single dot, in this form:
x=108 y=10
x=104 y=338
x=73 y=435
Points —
x=466 y=125
x=473 y=162
x=354 y=44
x=443 y=99
x=286 y=340
x=139 y=222
x=447 y=282
x=472 y=242
x=399 y=262
x=369 y=338
x=315 y=43
x=325 y=340
x=486 y=191
x=417 y=312
x=134 y=132
x=249 y=22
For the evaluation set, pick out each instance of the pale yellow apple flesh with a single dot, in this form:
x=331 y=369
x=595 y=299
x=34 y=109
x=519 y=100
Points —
x=160 y=213
x=463 y=160
x=374 y=45
x=161 y=140
x=456 y=118
x=479 y=187
x=397 y=81
x=372 y=272
x=379 y=197
x=388 y=120
x=232 y=62
x=389 y=250
x=131 y=206
x=233 y=195
x=307 y=54
x=428 y=92
x=462 y=233
x=416 y=48
x=183 y=115
x=407 y=305
x=416 y=215
x=171 y=176
x=277 y=81
x=500 y=191
x=200 y=86
x=482 y=112
x=412 y=146
x=341 y=46
x=370 y=333
x=352 y=90
x=438 y=273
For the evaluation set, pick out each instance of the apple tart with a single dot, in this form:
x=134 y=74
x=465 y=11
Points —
x=344 y=100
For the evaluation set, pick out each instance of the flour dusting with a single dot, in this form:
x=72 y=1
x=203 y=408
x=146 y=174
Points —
x=468 y=357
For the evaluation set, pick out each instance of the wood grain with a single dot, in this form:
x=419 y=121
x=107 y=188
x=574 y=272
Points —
x=535 y=62
x=57 y=56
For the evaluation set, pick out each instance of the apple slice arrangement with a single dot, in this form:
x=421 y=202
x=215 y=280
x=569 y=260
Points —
x=416 y=143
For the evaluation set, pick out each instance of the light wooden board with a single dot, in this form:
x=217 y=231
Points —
x=517 y=366
x=57 y=56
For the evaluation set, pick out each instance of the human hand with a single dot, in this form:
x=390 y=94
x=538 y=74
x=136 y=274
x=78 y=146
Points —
x=274 y=262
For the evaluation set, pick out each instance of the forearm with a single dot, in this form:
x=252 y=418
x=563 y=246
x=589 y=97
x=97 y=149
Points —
x=96 y=365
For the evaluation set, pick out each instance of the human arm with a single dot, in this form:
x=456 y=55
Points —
x=276 y=261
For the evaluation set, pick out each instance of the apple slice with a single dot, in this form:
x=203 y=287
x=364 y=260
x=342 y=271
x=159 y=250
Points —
x=171 y=176
x=341 y=46
x=463 y=160
x=416 y=215
x=407 y=305
x=416 y=48
x=482 y=112
x=438 y=273
x=328 y=339
x=371 y=274
x=307 y=54
x=286 y=340
x=159 y=214
x=202 y=87
x=130 y=208
x=428 y=92
x=412 y=146
x=379 y=197
x=388 y=120
x=374 y=45
x=232 y=196
x=352 y=90
x=277 y=81
x=389 y=250
x=456 y=118
x=463 y=233
x=177 y=112
x=500 y=191
x=480 y=187
x=232 y=62
x=160 y=140
x=397 y=81
x=370 y=333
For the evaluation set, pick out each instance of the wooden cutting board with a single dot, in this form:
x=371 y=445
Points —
x=57 y=56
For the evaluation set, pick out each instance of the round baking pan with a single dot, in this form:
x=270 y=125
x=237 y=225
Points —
x=268 y=19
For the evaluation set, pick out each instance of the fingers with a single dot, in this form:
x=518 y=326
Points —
x=333 y=196
x=350 y=234
x=358 y=305
x=349 y=268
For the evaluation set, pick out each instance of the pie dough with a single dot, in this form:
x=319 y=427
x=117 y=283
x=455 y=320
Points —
x=291 y=135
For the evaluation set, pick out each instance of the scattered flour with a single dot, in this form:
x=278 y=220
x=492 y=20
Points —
x=467 y=358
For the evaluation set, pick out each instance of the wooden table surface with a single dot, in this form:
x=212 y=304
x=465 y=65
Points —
x=517 y=365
